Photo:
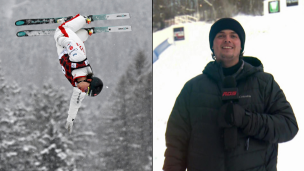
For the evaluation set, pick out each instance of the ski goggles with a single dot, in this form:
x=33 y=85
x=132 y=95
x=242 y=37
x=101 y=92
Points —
x=87 y=90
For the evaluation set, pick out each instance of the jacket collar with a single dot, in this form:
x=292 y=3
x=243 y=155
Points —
x=250 y=66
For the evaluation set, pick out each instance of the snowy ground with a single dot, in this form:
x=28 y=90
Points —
x=276 y=39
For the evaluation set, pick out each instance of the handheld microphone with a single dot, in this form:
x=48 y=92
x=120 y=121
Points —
x=229 y=95
x=230 y=91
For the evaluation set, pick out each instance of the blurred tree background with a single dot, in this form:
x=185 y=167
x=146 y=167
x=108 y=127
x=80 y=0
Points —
x=164 y=11
x=33 y=136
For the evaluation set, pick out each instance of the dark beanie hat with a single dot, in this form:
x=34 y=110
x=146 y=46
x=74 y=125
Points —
x=227 y=23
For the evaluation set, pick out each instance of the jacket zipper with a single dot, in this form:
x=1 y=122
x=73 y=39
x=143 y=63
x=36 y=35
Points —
x=247 y=144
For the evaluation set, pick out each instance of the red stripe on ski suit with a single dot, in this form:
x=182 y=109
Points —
x=62 y=28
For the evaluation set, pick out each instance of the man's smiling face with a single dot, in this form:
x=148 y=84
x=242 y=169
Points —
x=227 y=47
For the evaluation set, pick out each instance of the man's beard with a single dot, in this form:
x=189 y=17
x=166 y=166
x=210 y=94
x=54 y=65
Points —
x=228 y=57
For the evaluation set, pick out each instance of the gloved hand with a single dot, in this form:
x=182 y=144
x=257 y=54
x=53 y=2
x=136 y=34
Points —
x=69 y=125
x=231 y=114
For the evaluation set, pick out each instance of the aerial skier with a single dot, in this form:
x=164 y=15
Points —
x=75 y=66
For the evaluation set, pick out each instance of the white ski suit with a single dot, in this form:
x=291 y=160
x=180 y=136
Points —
x=69 y=39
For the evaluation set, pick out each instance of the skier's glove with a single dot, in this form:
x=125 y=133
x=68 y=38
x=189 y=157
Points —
x=232 y=114
x=69 y=125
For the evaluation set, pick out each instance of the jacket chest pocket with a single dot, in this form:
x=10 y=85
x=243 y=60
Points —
x=251 y=100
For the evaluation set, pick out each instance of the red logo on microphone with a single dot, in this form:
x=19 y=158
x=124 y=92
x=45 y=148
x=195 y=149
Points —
x=71 y=47
x=229 y=93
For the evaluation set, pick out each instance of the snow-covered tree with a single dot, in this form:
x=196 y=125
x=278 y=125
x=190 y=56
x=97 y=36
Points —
x=12 y=150
x=57 y=150
x=32 y=133
x=129 y=136
x=143 y=119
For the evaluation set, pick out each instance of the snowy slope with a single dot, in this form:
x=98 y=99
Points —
x=276 y=39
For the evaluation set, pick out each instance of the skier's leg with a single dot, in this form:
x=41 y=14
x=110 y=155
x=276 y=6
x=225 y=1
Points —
x=74 y=24
x=82 y=34
x=56 y=36
x=67 y=38
x=74 y=46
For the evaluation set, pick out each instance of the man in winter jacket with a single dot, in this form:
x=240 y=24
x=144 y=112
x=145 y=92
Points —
x=205 y=132
x=70 y=39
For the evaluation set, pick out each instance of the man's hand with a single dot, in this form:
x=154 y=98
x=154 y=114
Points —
x=231 y=114
x=69 y=126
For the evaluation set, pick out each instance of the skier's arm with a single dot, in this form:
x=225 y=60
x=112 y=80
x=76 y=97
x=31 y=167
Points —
x=75 y=103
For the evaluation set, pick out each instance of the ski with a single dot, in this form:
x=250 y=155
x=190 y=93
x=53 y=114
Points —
x=93 y=30
x=117 y=16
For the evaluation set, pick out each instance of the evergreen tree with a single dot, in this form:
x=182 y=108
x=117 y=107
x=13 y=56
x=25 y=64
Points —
x=117 y=152
x=128 y=148
x=208 y=10
x=13 y=150
x=146 y=112
x=140 y=116
x=56 y=149
x=32 y=133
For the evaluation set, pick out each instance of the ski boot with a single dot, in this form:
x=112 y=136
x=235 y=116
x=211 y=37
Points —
x=60 y=21
x=88 y=20
x=90 y=31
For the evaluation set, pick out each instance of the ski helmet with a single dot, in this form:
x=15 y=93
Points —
x=95 y=87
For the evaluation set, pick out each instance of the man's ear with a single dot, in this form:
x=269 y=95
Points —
x=89 y=80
